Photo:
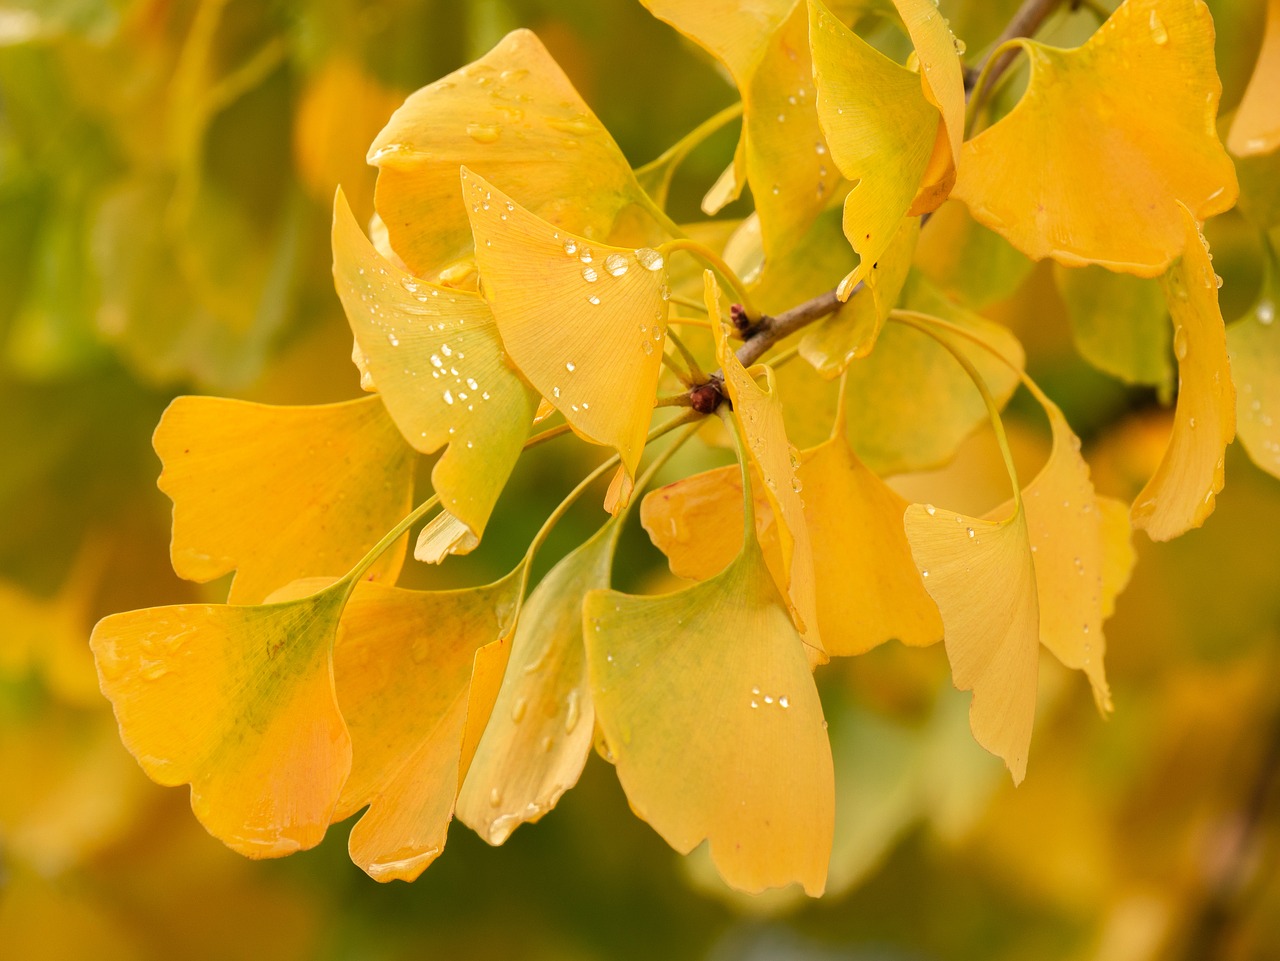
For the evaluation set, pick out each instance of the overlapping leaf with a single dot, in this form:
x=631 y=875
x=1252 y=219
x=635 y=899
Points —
x=881 y=129
x=513 y=117
x=1122 y=130
x=280 y=493
x=709 y=711
x=540 y=732
x=584 y=322
x=1119 y=323
x=1254 y=341
x=758 y=412
x=438 y=364
x=403 y=665
x=1256 y=128
x=1181 y=493
x=239 y=703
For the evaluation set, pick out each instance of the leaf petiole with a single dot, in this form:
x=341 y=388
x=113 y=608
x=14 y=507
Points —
x=714 y=260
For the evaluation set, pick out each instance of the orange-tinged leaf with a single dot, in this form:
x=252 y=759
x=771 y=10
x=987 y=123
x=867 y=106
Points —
x=758 y=412
x=584 y=322
x=1122 y=129
x=438 y=363
x=239 y=703
x=981 y=576
x=708 y=707
x=514 y=117
x=540 y=730
x=866 y=585
x=280 y=493
x=1180 y=495
x=881 y=130
x=1254 y=341
x=403 y=666
x=940 y=73
x=1256 y=128
x=851 y=332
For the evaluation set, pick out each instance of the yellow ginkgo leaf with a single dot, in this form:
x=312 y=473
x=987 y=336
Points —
x=437 y=361
x=1046 y=571
x=866 y=584
x=1254 y=341
x=514 y=117
x=851 y=332
x=940 y=73
x=279 y=493
x=758 y=411
x=1180 y=495
x=403 y=666
x=540 y=730
x=239 y=703
x=584 y=322
x=980 y=574
x=881 y=129
x=1093 y=196
x=1256 y=128
x=710 y=713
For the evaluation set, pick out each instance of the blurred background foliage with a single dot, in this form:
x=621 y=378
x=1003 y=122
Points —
x=166 y=173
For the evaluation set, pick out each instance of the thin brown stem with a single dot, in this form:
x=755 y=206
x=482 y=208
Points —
x=770 y=329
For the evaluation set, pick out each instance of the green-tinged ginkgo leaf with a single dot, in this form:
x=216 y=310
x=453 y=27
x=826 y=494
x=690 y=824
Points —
x=1046 y=571
x=881 y=129
x=438 y=364
x=239 y=703
x=710 y=713
x=867 y=588
x=1256 y=128
x=1254 y=341
x=1095 y=195
x=403 y=666
x=280 y=493
x=1120 y=323
x=758 y=412
x=1180 y=495
x=908 y=404
x=851 y=332
x=968 y=262
x=540 y=730
x=584 y=322
x=513 y=117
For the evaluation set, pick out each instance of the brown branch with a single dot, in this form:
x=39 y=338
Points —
x=768 y=330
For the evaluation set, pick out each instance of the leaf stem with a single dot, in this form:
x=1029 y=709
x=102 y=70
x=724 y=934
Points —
x=709 y=256
x=362 y=566
x=691 y=362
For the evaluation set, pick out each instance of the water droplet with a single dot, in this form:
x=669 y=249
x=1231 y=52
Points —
x=1217 y=279
x=518 y=709
x=768 y=698
x=589 y=274
x=648 y=347
x=570 y=366
x=820 y=148
x=969 y=531
x=649 y=258
x=796 y=485
x=616 y=264
x=570 y=247
x=784 y=701
x=930 y=509
x=924 y=573
x=392 y=339
x=495 y=796
x=754 y=704
x=483 y=132
x=1191 y=422
x=593 y=300
x=572 y=712
x=448 y=397
x=1158 y=33
x=1180 y=342
x=1266 y=312
x=586 y=256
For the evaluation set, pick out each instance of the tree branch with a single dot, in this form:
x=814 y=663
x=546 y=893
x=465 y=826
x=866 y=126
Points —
x=768 y=330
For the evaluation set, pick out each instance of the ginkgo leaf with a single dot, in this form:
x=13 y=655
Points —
x=1254 y=342
x=758 y=412
x=908 y=404
x=710 y=713
x=403 y=665
x=584 y=322
x=866 y=584
x=438 y=364
x=540 y=730
x=881 y=129
x=940 y=73
x=279 y=493
x=1256 y=128
x=1180 y=495
x=851 y=332
x=1094 y=195
x=514 y=117
x=1045 y=572
x=1120 y=323
x=239 y=703
x=969 y=262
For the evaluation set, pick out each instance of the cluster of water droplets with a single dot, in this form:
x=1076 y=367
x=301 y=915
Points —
x=768 y=700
